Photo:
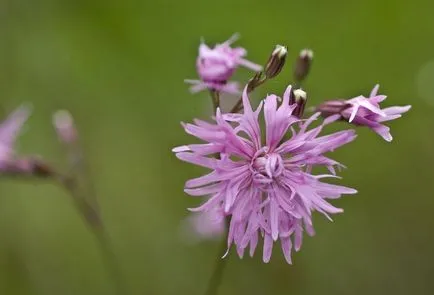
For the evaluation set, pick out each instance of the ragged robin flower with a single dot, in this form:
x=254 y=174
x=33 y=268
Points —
x=364 y=111
x=215 y=66
x=266 y=189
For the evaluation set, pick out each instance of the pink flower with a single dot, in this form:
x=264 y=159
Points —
x=9 y=130
x=206 y=225
x=266 y=188
x=216 y=66
x=364 y=111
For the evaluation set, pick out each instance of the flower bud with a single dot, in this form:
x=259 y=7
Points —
x=64 y=124
x=276 y=61
x=298 y=97
x=302 y=65
x=332 y=107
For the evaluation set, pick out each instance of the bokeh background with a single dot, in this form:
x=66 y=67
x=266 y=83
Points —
x=119 y=66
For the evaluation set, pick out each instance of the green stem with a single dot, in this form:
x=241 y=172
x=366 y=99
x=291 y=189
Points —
x=78 y=185
x=110 y=261
x=96 y=226
x=217 y=274
x=239 y=105
x=215 y=97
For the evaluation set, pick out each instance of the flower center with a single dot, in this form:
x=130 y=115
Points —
x=268 y=165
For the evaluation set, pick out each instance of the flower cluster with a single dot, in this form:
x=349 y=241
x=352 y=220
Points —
x=262 y=178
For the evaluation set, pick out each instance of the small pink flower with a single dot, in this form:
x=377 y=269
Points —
x=364 y=111
x=9 y=130
x=216 y=66
x=209 y=225
x=266 y=187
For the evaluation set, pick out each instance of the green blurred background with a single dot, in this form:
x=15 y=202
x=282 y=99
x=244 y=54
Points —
x=119 y=66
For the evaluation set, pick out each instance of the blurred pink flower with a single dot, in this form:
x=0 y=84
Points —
x=209 y=225
x=216 y=66
x=266 y=188
x=9 y=130
x=364 y=111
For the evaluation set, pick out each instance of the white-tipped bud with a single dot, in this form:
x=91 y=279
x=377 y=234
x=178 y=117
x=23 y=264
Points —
x=303 y=64
x=306 y=54
x=276 y=61
x=64 y=124
x=299 y=97
x=280 y=51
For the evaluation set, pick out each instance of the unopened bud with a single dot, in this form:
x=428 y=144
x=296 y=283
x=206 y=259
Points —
x=332 y=107
x=299 y=97
x=303 y=64
x=276 y=61
x=64 y=124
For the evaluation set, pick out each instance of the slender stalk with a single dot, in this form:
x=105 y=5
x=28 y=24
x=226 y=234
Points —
x=110 y=261
x=238 y=106
x=96 y=226
x=77 y=183
x=253 y=84
x=215 y=97
x=219 y=267
x=87 y=211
